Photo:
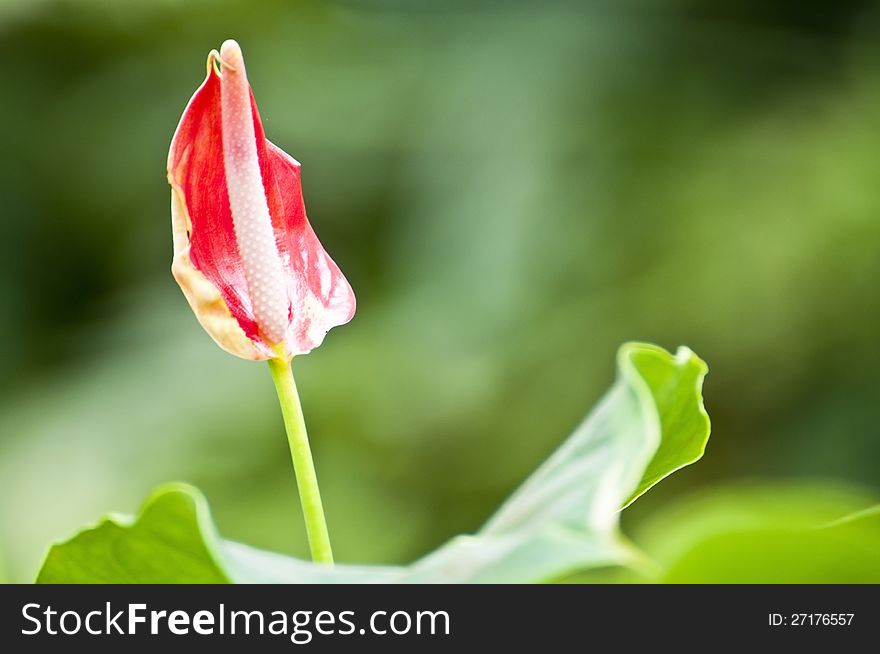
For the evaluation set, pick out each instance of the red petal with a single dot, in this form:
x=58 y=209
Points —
x=321 y=297
x=318 y=293
x=196 y=166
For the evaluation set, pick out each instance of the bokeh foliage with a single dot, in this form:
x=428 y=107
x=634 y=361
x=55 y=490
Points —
x=513 y=189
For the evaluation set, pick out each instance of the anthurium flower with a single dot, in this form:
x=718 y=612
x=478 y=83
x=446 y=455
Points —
x=245 y=255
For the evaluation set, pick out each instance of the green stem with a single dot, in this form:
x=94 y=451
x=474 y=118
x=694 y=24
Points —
x=303 y=467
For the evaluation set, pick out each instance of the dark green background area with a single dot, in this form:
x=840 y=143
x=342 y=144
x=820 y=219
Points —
x=512 y=189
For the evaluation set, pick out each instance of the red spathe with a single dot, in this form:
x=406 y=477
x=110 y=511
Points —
x=318 y=295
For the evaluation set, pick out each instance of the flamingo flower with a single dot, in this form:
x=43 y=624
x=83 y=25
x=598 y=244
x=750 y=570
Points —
x=245 y=255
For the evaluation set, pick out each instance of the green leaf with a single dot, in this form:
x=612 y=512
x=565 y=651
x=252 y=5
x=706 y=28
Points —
x=172 y=540
x=684 y=423
x=564 y=517
x=763 y=532
x=743 y=506
x=846 y=551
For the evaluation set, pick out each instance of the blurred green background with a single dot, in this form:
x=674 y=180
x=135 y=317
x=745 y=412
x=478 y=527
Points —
x=513 y=189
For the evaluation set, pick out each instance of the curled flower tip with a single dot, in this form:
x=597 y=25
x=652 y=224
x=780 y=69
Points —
x=215 y=55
